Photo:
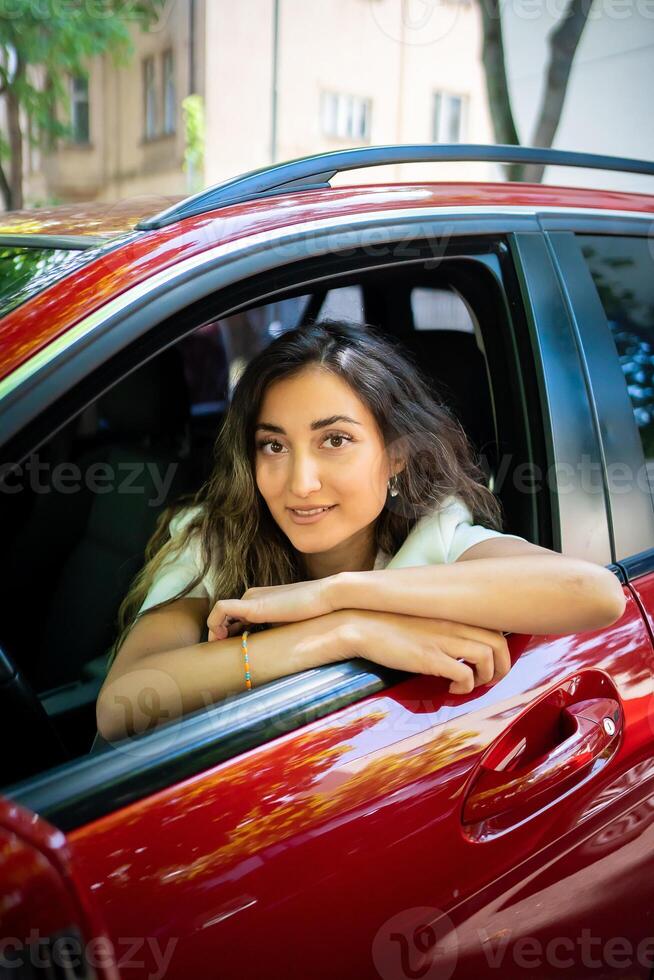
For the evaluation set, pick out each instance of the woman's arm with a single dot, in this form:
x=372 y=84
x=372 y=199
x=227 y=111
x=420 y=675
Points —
x=499 y=584
x=144 y=691
x=158 y=686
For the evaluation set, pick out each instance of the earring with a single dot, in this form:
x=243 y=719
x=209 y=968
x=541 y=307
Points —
x=392 y=486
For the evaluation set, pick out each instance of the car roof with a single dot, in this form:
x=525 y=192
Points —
x=90 y=221
x=137 y=255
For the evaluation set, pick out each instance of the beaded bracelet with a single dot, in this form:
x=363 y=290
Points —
x=244 y=644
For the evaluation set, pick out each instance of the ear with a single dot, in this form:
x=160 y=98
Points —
x=397 y=454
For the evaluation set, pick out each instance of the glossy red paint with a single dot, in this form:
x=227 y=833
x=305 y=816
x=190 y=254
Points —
x=339 y=850
x=32 y=326
x=96 y=219
x=643 y=589
x=42 y=898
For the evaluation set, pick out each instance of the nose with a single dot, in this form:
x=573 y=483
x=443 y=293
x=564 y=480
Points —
x=304 y=478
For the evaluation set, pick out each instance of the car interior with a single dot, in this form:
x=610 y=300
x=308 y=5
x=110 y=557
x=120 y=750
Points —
x=72 y=550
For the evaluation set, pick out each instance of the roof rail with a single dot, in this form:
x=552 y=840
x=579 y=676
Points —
x=309 y=173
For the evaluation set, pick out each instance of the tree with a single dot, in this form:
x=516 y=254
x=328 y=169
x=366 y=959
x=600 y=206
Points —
x=563 y=42
x=41 y=46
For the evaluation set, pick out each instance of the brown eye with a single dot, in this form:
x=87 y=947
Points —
x=339 y=435
x=269 y=442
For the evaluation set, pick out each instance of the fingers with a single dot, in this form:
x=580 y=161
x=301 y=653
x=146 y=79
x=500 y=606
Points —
x=479 y=655
x=227 y=611
x=460 y=674
x=499 y=646
x=487 y=639
x=229 y=627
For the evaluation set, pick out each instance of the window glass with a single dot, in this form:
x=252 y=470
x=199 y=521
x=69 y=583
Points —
x=245 y=334
x=623 y=272
x=79 y=109
x=206 y=369
x=26 y=271
x=345 y=303
x=448 y=120
x=150 y=99
x=440 y=309
x=345 y=116
x=168 y=92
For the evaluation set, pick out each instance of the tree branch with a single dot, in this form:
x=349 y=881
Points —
x=563 y=40
x=5 y=189
x=497 y=87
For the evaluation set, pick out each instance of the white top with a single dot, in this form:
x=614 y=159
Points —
x=435 y=539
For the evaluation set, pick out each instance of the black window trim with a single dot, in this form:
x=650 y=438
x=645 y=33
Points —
x=580 y=522
x=635 y=566
x=606 y=223
x=89 y=787
x=87 y=791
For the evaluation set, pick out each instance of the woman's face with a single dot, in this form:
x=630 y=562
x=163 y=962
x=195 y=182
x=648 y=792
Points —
x=301 y=462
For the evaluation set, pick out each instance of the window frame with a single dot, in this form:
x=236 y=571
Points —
x=440 y=125
x=630 y=515
x=138 y=325
x=349 y=106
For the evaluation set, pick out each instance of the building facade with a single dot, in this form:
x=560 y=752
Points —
x=278 y=79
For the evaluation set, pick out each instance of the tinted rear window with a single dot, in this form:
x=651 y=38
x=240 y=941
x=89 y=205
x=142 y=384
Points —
x=27 y=271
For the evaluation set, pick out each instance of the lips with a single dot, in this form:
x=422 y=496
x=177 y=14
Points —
x=314 y=517
x=312 y=510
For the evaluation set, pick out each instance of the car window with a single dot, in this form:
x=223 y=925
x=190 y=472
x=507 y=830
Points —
x=245 y=334
x=344 y=303
x=440 y=309
x=94 y=490
x=622 y=270
x=24 y=272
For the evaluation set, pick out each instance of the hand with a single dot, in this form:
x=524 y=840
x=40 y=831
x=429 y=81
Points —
x=468 y=655
x=274 y=604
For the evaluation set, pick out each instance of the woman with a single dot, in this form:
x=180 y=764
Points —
x=401 y=560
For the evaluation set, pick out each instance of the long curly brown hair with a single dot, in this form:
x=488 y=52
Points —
x=239 y=540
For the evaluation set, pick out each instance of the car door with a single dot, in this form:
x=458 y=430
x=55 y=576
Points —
x=353 y=822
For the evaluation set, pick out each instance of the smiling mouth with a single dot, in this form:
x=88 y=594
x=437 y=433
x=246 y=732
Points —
x=312 y=511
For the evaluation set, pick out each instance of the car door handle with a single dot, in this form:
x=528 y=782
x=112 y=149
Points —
x=508 y=780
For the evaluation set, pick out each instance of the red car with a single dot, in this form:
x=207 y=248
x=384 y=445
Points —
x=347 y=821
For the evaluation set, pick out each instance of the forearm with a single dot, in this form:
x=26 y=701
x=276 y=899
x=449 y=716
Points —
x=161 y=686
x=517 y=594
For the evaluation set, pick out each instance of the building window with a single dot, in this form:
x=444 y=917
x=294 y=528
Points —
x=345 y=116
x=168 y=92
x=79 y=109
x=449 y=117
x=149 y=99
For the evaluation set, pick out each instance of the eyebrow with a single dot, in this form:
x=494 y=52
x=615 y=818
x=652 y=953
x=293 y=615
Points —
x=317 y=424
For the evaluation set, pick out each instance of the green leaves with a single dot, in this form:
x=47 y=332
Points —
x=53 y=39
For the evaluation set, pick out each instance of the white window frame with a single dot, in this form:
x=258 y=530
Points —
x=345 y=116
